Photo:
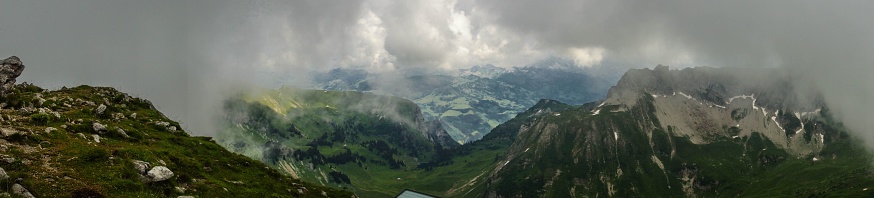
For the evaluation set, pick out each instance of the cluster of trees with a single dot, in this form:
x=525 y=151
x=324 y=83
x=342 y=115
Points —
x=338 y=177
x=384 y=151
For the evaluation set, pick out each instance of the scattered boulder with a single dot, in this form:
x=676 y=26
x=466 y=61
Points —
x=159 y=173
x=99 y=128
x=49 y=111
x=50 y=129
x=141 y=166
x=100 y=109
x=185 y=196
x=20 y=190
x=163 y=124
x=3 y=175
x=166 y=126
x=118 y=116
x=122 y=133
x=96 y=138
x=27 y=110
x=39 y=100
x=133 y=115
x=8 y=131
x=10 y=68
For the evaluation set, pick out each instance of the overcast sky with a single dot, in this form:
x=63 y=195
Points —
x=182 y=54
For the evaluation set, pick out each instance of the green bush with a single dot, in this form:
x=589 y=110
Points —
x=95 y=155
x=80 y=128
x=27 y=87
x=86 y=192
x=40 y=119
x=24 y=138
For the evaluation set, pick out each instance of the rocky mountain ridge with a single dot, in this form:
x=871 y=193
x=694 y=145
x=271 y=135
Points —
x=682 y=133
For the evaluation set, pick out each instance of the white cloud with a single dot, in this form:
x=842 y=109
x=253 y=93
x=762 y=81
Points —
x=587 y=56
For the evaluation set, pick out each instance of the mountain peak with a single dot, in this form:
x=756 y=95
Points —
x=772 y=88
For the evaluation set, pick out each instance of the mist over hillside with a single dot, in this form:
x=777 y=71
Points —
x=185 y=55
x=465 y=70
x=470 y=102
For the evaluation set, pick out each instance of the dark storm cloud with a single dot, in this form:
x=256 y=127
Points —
x=826 y=44
x=185 y=54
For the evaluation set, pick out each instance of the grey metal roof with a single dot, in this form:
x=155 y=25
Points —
x=413 y=194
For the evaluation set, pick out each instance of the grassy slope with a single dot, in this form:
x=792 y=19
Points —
x=309 y=111
x=61 y=164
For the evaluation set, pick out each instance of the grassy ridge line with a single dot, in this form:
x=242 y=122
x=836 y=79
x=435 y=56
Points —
x=58 y=157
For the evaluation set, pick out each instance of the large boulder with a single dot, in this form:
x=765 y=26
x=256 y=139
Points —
x=10 y=69
x=141 y=166
x=99 y=128
x=3 y=174
x=159 y=173
x=21 y=191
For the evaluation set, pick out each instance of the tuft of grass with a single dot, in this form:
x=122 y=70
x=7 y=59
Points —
x=40 y=119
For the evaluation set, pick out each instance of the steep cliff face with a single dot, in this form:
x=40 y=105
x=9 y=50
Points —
x=691 y=132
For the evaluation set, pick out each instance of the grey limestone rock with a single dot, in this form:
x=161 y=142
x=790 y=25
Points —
x=10 y=69
x=159 y=173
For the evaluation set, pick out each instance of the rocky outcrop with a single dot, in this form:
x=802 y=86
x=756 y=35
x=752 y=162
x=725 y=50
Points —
x=436 y=134
x=10 y=69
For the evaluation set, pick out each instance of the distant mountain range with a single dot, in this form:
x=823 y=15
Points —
x=470 y=102
x=658 y=132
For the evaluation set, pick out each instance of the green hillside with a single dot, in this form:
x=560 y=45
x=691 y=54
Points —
x=345 y=140
x=372 y=145
x=86 y=142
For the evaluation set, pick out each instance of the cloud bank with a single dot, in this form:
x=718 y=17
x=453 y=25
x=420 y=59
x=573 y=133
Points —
x=182 y=55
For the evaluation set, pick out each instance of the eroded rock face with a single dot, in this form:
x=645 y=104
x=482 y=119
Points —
x=10 y=69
